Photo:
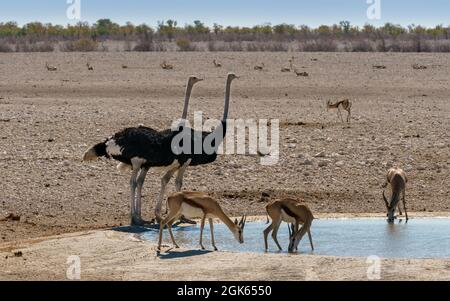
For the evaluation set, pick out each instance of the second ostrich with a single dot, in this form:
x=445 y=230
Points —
x=141 y=148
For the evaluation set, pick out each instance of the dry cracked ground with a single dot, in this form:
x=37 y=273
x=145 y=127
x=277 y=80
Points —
x=48 y=119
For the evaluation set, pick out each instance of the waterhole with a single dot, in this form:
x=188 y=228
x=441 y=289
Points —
x=419 y=238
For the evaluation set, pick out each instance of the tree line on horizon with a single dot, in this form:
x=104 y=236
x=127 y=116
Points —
x=37 y=36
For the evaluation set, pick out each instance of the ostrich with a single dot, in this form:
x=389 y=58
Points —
x=193 y=159
x=140 y=148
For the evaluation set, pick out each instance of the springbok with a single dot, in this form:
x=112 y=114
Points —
x=345 y=104
x=291 y=66
x=192 y=204
x=259 y=67
x=166 y=66
x=289 y=211
x=217 y=64
x=89 y=66
x=50 y=68
x=396 y=178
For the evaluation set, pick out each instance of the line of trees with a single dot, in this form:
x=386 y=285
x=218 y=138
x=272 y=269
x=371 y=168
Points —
x=337 y=37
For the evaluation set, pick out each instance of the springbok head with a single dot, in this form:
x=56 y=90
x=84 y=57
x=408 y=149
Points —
x=239 y=229
x=390 y=209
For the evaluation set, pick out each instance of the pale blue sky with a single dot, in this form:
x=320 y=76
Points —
x=231 y=12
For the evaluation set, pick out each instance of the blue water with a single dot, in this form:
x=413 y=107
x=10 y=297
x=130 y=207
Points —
x=419 y=238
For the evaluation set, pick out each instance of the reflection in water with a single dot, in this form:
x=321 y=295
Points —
x=419 y=238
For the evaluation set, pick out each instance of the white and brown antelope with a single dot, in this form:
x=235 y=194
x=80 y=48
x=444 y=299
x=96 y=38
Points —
x=345 y=104
x=166 y=66
x=259 y=67
x=291 y=66
x=217 y=64
x=50 y=68
x=89 y=66
x=289 y=211
x=198 y=205
x=396 y=179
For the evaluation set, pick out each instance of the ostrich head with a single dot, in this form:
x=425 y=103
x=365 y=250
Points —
x=232 y=76
x=194 y=79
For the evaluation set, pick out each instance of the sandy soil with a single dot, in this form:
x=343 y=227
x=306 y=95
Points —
x=113 y=255
x=48 y=119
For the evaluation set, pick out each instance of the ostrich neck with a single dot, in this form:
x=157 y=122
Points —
x=186 y=101
x=227 y=100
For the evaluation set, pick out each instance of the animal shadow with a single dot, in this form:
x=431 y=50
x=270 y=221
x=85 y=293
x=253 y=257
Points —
x=182 y=254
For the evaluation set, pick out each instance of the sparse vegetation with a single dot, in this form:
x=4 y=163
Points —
x=168 y=35
x=82 y=45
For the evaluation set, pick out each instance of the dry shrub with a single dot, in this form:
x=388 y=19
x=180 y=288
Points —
x=320 y=45
x=4 y=47
x=82 y=45
x=185 y=45
x=23 y=46
x=267 y=46
x=361 y=46
x=144 y=46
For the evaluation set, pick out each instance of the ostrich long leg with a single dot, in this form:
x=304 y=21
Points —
x=164 y=182
x=133 y=185
x=140 y=183
x=180 y=174
x=179 y=185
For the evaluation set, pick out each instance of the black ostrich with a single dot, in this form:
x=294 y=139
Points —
x=140 y=148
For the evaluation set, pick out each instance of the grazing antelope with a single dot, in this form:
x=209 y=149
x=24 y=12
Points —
x=90 y=68
x=217 y=64
x=259 y=67
x=345 y=104
x=50 y=68
x=166 y=66
x=124 y=66
x=298 y=73
x=286 y=69
x=396 y=178
x=289 y=211
x=198 y=204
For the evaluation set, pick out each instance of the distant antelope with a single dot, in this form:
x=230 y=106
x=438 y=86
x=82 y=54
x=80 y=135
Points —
x=259 y=67
x=217 y=64
x=286 y=69
x=124 y=66
x=50 y=68
x=345 y=104
x=166 y=66
x=199 y=204
x=90 y=68
x=397 y=180
x=289 y=211
x=298 y=73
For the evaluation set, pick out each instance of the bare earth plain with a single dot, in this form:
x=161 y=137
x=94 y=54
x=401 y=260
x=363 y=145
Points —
x=48 y=119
